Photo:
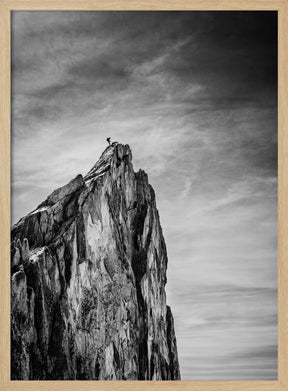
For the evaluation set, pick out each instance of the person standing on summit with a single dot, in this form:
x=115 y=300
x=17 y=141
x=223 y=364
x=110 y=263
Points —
x=108 y=140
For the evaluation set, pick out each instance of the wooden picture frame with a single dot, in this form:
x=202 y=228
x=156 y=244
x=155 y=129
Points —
x=276 y=5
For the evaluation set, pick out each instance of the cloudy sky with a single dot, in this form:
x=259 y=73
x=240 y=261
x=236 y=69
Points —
x=195 y=96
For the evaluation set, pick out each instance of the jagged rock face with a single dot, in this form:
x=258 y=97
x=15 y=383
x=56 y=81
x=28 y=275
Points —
x=88 y=282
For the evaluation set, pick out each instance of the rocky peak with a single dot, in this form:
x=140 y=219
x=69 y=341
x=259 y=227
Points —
x=88 y=269
x=112 y=157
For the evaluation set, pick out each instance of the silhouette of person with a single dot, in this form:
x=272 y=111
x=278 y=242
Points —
x=108 y=140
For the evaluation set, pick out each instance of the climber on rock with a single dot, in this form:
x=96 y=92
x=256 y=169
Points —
x=108 y=140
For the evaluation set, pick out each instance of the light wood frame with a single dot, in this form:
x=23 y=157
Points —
x=277 y=5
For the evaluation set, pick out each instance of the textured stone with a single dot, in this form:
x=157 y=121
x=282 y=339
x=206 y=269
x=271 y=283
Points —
x=88 y=269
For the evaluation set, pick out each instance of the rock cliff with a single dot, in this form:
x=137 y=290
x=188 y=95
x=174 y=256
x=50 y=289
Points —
x=88 y=275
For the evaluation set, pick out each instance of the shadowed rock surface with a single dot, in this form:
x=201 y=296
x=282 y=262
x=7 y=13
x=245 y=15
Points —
x=88 y=269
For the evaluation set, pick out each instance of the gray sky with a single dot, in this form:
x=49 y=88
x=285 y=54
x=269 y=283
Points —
x=195 y=96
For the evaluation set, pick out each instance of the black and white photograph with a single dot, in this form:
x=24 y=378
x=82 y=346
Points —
x=144 y=195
